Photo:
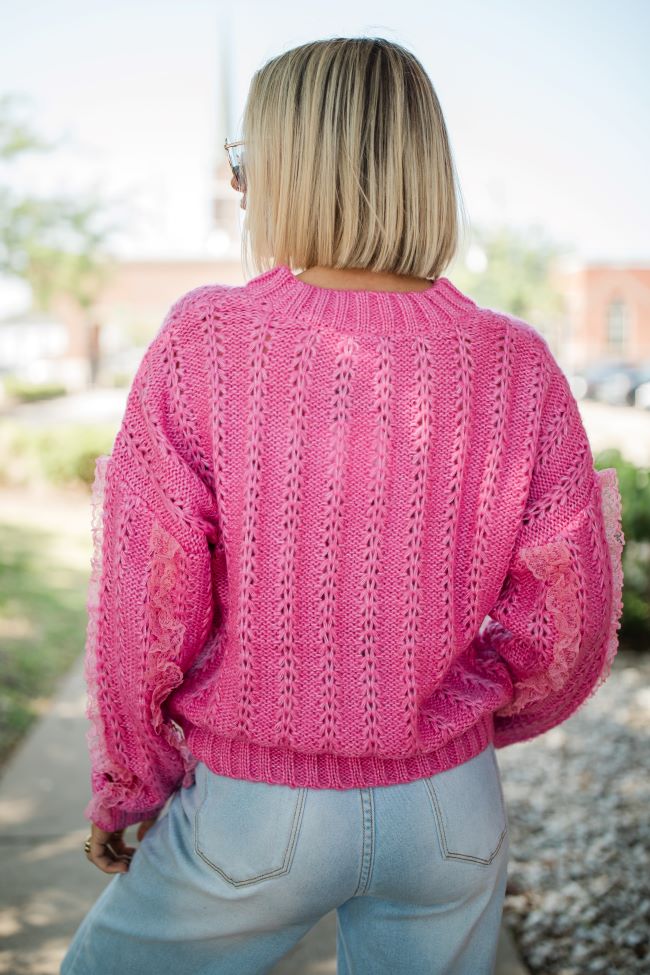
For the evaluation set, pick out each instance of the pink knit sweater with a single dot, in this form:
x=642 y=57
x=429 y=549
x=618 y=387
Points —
x=343 y=539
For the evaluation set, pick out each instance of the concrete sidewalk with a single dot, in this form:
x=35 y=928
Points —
x=48 y=884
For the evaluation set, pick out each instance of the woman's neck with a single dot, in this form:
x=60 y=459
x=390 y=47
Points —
x=359 y=279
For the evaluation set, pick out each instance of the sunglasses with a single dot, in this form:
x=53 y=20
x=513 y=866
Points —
x=234 y=153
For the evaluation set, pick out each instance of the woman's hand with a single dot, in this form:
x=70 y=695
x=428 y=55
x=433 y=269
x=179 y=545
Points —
x=109 y=852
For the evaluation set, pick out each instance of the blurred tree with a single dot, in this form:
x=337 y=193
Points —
x=511 y=270
x=57 y=245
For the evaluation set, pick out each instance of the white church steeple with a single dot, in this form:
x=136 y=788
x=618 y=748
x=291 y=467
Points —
x=224 y=239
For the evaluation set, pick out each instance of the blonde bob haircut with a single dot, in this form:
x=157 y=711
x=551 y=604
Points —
x=347 y=162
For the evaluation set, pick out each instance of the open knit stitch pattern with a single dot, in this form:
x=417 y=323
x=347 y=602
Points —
x=343 y=539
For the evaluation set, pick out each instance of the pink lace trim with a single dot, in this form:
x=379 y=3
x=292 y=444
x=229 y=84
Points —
x=167 y=632
x=112 y=784
x=118 y=783
x=94 y=735
x=552 y=563
x=612 y=509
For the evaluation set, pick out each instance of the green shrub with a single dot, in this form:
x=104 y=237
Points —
x=62 y=454
x=27 y=392
x=121 y=380
x=634 y=483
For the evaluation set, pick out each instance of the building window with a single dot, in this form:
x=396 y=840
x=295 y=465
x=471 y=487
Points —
x=618 y=326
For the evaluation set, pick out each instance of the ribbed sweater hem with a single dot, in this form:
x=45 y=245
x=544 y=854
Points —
x=241 y=759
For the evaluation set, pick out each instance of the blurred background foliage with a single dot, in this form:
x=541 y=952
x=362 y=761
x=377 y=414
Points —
x=57 y=244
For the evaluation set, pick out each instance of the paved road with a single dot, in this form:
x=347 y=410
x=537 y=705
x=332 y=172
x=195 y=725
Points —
x=47 y=883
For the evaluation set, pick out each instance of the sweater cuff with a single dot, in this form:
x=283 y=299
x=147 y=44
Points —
x=112 y=818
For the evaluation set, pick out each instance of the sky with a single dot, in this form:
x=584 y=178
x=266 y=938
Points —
x=546 y=104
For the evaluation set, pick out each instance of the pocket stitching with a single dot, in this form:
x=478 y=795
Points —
x=446 y=852
x=288 y=853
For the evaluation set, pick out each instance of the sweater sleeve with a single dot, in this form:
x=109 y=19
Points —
x=150 y=598
x=554 y=625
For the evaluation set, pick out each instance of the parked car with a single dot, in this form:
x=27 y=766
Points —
x=640 y=391
x=607 y=382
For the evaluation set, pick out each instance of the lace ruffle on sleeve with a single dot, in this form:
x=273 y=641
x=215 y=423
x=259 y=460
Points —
x=555 y=625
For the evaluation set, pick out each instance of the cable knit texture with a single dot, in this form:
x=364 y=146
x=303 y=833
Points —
x=343 y=539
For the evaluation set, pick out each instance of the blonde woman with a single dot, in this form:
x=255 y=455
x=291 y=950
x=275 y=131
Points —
x=349 y=541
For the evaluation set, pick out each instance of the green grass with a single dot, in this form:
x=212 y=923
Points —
x=43 y=588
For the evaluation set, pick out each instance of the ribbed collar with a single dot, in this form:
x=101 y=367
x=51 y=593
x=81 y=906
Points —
x=383 y=312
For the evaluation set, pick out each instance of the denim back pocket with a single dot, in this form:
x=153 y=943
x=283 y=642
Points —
x=469 y=809
x=244 y=830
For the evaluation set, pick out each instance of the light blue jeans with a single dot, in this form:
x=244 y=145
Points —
x=233 y=873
